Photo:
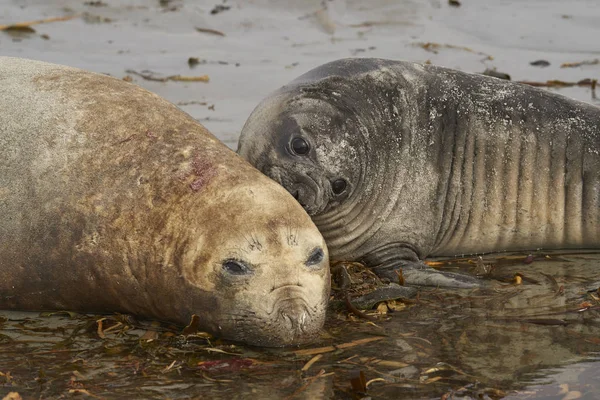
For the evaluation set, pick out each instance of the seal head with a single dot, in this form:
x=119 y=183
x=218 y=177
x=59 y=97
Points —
x=263 y=264
x=318 y=137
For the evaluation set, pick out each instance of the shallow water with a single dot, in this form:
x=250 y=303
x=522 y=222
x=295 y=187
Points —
x=518 y=341
x=535 y=340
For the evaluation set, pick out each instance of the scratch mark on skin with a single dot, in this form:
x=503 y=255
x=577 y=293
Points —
x=199 y=183
x=151 y=135
x=204 y=171
x=127 y=139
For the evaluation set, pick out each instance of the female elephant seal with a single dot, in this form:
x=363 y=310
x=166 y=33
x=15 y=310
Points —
x=397 y=161
x=112 y=199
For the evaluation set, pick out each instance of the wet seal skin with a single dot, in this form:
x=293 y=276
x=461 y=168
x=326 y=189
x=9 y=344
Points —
x=113 y=199
x=396 y=161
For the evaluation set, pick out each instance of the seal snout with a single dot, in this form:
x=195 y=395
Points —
x=287 y=287
x=308 y=193
x=294 y=315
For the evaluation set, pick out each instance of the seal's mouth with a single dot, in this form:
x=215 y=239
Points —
x=295 y=318
x=306 y=189
x=289 y=321
x=307 y=196
x=293 y=311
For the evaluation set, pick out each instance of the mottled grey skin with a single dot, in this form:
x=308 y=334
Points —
x=438 y=162
x=112 y=199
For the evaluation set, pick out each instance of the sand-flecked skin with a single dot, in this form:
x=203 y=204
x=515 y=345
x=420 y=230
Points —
x=438 y=162
x=113 y=199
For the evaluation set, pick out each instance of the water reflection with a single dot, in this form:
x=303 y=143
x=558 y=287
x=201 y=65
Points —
x=536 y=339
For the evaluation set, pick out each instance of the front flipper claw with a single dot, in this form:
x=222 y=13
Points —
x=419 y=274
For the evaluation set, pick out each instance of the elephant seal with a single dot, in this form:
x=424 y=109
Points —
x=398 y=161
x=113 y=199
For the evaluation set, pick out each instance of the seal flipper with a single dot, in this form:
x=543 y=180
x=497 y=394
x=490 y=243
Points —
x=417 y=273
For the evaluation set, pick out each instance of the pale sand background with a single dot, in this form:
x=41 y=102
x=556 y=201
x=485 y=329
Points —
x=275 y=41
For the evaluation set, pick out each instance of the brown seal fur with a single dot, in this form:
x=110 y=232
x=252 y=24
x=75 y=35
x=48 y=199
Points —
x=112 y=199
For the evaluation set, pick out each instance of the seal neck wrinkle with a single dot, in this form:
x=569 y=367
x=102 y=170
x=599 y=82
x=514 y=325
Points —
x=385 y=141
x=345 y=226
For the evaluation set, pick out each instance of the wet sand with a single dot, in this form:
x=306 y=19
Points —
x=268 y=43
x=536 y=340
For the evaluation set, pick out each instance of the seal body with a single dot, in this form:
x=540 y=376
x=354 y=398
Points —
x=112 y=199
x=398 y=161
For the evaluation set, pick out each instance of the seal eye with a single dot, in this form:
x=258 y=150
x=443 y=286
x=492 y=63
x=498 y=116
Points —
x=338 y=186
x=235 y=267
x=315 y=257
x=300 y=146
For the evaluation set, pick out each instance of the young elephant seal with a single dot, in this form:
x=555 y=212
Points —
x=112 y=199
x=397 y=161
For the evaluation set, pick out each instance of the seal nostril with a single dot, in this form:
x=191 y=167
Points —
x=339 y=186
x=316 y=257
x=296 y=316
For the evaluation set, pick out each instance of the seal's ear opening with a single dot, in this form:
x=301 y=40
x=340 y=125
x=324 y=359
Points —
x=315 y=258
